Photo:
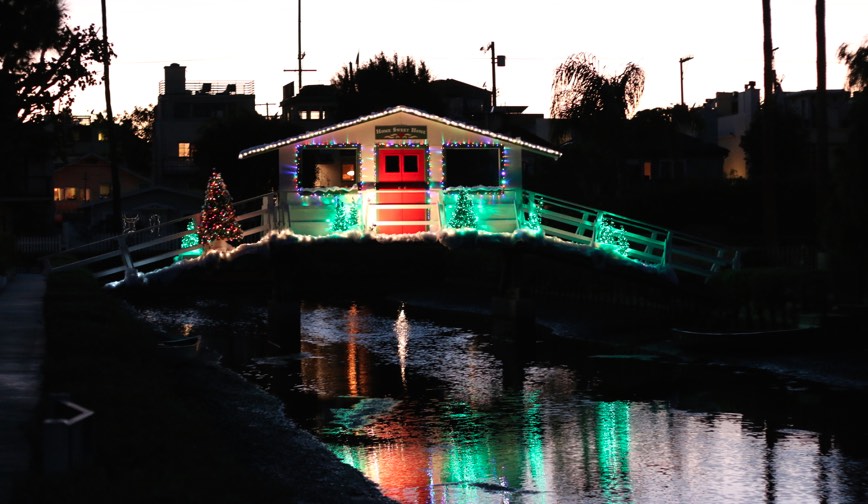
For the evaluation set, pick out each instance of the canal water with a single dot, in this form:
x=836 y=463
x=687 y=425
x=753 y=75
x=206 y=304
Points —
x=440 y=411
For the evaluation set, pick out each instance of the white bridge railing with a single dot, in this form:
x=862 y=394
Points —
x=644 y=242
x=650 y=244
x=127 y=252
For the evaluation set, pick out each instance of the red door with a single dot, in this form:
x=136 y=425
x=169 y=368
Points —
x=401 y=179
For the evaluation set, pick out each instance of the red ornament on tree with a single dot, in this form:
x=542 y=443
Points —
x=218 y=221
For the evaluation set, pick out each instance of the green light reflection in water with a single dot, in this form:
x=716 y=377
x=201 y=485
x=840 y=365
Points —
x=533 y=441
x=613 y=450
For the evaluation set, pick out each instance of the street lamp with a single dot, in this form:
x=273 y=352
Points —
x=681 y=62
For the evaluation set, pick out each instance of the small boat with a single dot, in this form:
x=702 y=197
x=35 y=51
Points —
x=783 y=340
x=180 y=349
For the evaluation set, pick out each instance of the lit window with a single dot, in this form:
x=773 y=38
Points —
x=184 y=150
x=315 y=115
x=328 y=167
x=86 y=192
x=70 y=193
x=58 y=194
x=105 y=191
x=302 y=114
x=646 y=169
x=100 y=137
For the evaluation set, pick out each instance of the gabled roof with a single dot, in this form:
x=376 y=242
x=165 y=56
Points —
x=452 y=87
x=260 y=149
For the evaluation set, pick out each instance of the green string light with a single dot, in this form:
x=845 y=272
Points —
x=192 y=239
x=610 y=237
x=534 y=221
x=345 y=218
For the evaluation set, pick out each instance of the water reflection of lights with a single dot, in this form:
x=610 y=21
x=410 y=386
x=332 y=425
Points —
x=402 y=331
x=476 y=430
x=613 y=447
x=352 y=365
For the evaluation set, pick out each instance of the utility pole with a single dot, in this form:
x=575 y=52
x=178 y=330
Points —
x=115 y=223
x=300 y=53
x=681 y=62
x=267 y=114
x=496 y=61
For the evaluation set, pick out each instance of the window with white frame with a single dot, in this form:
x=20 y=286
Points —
x=328 y=167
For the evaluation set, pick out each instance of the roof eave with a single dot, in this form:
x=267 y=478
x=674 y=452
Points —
x=263 y=148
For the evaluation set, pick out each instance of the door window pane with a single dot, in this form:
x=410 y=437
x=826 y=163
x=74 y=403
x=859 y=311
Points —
x=411 y=164
x=393 y=164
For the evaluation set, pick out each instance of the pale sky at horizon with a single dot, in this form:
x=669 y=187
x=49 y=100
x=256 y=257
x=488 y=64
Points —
x=257 y=39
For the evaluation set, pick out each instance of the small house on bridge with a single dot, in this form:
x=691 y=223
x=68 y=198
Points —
x=401 y=170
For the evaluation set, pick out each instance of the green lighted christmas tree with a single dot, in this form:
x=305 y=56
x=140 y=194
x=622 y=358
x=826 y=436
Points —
x=464 y=216
x=218 y=221
x=192 y=239
x=612 y=237
x=344 y=219
x=534 y=222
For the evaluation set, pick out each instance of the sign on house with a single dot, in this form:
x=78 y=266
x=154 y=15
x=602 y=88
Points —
x=400 y=132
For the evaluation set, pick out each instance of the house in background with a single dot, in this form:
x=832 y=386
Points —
x=402 y=171
x=727 y=118
x=315 y=106
x=183 y=107
x=803 y=104
x=462 y=101
x=85 y=180
x=669 y=155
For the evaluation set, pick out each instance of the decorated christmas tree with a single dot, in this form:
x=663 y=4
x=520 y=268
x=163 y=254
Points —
x=218 y=221
x=464 y=216
x=345 y=218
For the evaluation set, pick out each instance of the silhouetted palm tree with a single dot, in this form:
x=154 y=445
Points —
x=770 y=214
x=581 y=90
x=822 y=119
x=857 y=66
x=848 y=204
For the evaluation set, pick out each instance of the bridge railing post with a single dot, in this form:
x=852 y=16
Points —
x=666 y=258
x=269 y=217
x=129 y=269
x=598 y=220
